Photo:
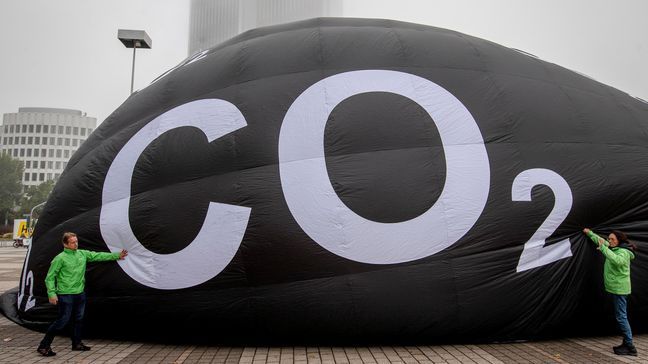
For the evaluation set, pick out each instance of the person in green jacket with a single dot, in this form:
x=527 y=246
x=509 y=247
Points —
x=65 y=282
x=619 y=253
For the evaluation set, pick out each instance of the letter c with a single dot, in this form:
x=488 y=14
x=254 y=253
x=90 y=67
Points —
x=222 y=231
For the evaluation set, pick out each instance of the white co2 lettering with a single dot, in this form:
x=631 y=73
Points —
x=329 y=222
x=535 y=254
x=310 y=196
x=27 y=279
x=223 y=228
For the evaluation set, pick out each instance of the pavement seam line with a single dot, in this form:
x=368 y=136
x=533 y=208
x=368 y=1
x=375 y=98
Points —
x=544 y=353
x=601 y=351
x=184 y=355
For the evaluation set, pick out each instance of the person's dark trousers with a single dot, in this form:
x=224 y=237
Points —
x=621 y=314
x=71 y=307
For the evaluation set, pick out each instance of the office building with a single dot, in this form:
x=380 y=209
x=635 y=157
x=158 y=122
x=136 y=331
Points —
x=44 y=139
x=214 y=21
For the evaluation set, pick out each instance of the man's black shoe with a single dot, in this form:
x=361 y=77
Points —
x=45 y=351
x=625 y=350
x=80 y=347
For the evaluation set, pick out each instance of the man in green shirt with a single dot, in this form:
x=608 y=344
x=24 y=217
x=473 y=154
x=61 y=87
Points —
x=619 y=253
x=65 y=282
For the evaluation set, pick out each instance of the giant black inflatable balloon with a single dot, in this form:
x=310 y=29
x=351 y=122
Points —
x=354 y=180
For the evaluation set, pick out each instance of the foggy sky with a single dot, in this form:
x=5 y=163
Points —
x=65 y=53
x=606 y=40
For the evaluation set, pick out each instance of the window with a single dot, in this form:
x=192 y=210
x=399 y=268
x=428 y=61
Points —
x=67 y=142
x=31 y=129
x=45 y=129
x=22 y=152
x=58 y=153
x=36 y=152
x=75 y=130
x=75 y=142
x=60 y=129
x=24 y=128
x=66 y=154
x=6 y=129
x=68 y=130
x=42 y=164
x=50 y=153
x=29 y=152
x=33 y=176
x=44 y=140
x=43 y=152
x=41 y=176
x=89 y=131
x=4 y=140
x=51 y=141
x=28 y=164
x=58 y=165
x=59 y=141
x=30 y=140
x=38 y=128
x=23 y=140
x=49 y=176
x=15 y=152
x=36 y=140
x=83 y=131
x=10 y=140
x=50 y=164
x=11 y=128
x=26 y=177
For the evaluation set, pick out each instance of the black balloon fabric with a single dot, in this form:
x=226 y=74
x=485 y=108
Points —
x=354 y=180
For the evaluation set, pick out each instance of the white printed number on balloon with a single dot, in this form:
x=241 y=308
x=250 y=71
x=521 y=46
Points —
x=535 y=254
x=324 y=217
x=223 y=228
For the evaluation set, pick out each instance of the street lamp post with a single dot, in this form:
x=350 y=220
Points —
x=31 y=213
x=134 y=39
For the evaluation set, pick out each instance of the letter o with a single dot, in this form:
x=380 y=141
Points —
x=330 y=223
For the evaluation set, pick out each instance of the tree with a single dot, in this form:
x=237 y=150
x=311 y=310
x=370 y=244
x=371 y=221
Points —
x=11 y=171
x=36 y=195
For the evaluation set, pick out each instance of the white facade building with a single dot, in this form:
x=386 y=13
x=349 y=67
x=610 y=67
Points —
x=214 y=21
x=44 y=139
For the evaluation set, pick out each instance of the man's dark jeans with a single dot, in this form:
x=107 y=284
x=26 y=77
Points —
x=620 y=312
x=71 y=306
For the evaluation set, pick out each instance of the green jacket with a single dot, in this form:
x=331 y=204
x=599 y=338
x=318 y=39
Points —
x=616 y=270
x=66 y=274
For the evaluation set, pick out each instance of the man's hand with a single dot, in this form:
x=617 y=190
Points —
x=586 y=231
x=53 y=300
x=123 y=254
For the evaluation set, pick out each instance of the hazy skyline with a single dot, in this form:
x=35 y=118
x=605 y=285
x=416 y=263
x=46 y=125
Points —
x=65 y=53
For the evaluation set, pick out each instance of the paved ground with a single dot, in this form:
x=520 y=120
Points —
x=17 y=345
